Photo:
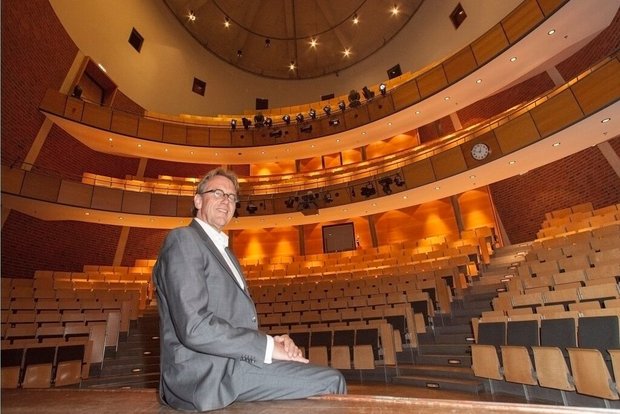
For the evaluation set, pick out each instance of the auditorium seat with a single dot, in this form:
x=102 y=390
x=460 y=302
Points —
x=591 y=373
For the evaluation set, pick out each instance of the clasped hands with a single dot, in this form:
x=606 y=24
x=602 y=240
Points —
x=286 y=350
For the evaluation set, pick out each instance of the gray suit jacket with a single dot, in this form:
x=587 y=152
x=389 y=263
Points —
x=208 y=324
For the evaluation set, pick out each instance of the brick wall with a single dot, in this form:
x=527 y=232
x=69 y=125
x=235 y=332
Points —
x=30 y=244
x=143 y=244
x=59 y=144
x=31 y=34
x=502 y=101
x=522 y=201
x=605 y=43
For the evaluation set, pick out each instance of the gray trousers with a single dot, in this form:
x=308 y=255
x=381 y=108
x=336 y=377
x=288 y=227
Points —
x=286 y=380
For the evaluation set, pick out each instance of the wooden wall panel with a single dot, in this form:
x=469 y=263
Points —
x=489 y=44
x=220 y=137
x=136 y=203
x=521 y=20
x=380 y=106
x=549 y=6
x=97 y=116
x=124 y=123
x=150 y=129
x=355 y=117
x=75 y=194
x=599 y=88
x=185 y=204
x=198 y=136
x=448 y=163
x=162 y=205
x=41 y=187
x=419 y=173
x=242 y=137
x=459 y=65
x=266 y=243
x=12 y=179
x=74 y=109
x=556 y=113
x=174 y=133
x=517 y=134
x=432 y=81
x=405 y=95
x=476 y=208
x=105 y=198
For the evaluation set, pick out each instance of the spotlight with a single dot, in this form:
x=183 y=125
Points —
x=233 y=124
x=77 y=92
x=239 y=53
x=300 y=118
x=290 y=202
x=287 y=119
x=246 y=122
x=327 y=197
x=259 y=120
x=368 y=190
x=306 y=128
x=385 y=184
x=383 y=89
x=268 y=122
x=276 y=134
x=398 y=180
x=251 y=208
x=312 y=113
x=327 y=109
x=334 y=122
x=368 y=94
x=354 y=98
x=342 y=106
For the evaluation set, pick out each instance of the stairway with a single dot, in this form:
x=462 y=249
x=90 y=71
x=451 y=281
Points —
x=135 y=364
x=443 y=357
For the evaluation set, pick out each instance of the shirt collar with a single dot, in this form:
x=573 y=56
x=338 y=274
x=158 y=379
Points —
x=218 y=237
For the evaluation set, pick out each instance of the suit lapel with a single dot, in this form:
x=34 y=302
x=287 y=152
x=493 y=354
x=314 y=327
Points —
x=216 y=252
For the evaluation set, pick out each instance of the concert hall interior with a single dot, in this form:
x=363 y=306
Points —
x=429 y=194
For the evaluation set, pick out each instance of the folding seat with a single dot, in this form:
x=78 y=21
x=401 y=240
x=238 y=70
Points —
x=343 y=343
x=604 y=271
x=20 y=332
x=485 y=352
x=302 y=340
x=527 y=300
x=562 y=297
x=18 y=304
x=516 y=360
x=310 y=317
x=22 y=317
x=574 y=263
x=591 y=373
x=11 y=361
x=330 y=315
x=268 y=321
x=38 y=365
x=599 y=332
x=320 y=346
x=350 y=315
x=599 y=292
x=50 y=333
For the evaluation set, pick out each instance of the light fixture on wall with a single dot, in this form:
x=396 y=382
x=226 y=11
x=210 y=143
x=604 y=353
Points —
x=312 y=113
x=287 y=119
x=383 y=89
x=233 y=124
x=327 y=109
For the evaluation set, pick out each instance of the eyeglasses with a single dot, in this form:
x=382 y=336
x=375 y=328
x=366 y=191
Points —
x=219 y=194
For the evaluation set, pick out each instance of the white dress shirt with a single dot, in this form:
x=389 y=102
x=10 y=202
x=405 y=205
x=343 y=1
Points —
x=220 y=240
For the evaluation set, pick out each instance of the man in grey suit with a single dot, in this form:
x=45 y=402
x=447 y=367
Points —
x=212 y=352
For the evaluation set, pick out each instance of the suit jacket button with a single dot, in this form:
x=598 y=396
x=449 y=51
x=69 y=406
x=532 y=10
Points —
x=253 y=318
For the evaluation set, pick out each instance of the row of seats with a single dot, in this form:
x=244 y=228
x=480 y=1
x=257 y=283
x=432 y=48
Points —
x=351 y=347
x=570 y=351
x=54 y=362
x=575 y=218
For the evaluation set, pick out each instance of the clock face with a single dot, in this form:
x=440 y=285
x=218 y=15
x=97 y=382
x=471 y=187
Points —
x=480 y=151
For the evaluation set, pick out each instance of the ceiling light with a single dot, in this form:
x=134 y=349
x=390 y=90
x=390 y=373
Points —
x=291 y=66
x=437 y=188
x=550 y=32
x=139 y=145
x=101 y=67
x=478 y=80
x=191 y=16
x=606 y=120
x=447 y=98
x=313 y=43
x=472 y=176
x=513 y=59
x=555 y=144
x=347 y=52
x=110 y=139
x=356 y=19
x=394 y=10
x=227 y=22
x=513 y=162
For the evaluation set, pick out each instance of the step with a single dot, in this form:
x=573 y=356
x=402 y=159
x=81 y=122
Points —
x=444 y=360
x=459 y=372
x=444 y=349
x=150 y=380
x=472 y=386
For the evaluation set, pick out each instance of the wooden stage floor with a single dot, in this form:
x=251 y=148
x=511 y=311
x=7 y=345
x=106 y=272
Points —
x=145 y=401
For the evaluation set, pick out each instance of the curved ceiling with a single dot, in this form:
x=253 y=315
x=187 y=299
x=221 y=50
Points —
x=293 y=39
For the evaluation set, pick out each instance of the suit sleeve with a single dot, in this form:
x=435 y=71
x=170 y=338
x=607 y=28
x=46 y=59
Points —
x=182 y=271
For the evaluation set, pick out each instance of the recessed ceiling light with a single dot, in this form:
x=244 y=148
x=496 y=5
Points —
x=356 y=19
x=389 y=124
x=512 y=162
x=364 y=133
x=374 y=204
x=191 y=153
x=191 y=16
x=227 y=22
x=417 y=112
x=555 y=144
x=472 y=176
x=606 y=120
x=110 y=139
x=313 y=43
x=136 y=370
x=405 y=197
x=513 y=59
x=478 y=80
x=437 y=187
x=337 y=139
x=165 y=149
x=262 y=152
x=87 y=214
x=346 y=52
x=394 y=10
x=101 y=67
x=447 y=98
x=550 y=32
x=139 y=145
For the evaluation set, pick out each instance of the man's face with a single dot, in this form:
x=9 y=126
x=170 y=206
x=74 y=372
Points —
x=213 y=210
